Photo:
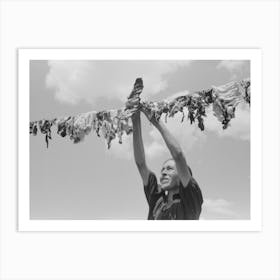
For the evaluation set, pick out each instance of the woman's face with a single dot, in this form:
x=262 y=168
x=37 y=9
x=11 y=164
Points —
x=169 y=178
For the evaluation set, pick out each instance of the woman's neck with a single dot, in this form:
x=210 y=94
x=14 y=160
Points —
x=171 y=193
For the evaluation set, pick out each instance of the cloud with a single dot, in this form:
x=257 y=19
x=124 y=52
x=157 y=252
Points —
x=155 y=149
x=177 y=94
x=236 y=68
x=187 y=135
x=239 y=126
x=218 y=209
x=75 y=81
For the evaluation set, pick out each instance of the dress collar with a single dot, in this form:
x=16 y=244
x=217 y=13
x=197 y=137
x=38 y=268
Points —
x=174 y=197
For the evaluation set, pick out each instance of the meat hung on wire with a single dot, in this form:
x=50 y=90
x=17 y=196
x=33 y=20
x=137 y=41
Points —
x=114 y=123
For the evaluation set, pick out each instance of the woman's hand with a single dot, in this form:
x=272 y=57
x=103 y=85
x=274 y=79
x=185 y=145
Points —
x=133 y=103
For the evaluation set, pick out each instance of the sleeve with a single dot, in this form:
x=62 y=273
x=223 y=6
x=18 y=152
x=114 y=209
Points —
x=192 y=199
x=151 y=190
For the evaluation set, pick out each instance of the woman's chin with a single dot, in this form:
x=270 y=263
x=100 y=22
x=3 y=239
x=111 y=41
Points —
x=165 y=187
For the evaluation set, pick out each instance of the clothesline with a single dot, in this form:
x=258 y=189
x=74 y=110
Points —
x=114 y=123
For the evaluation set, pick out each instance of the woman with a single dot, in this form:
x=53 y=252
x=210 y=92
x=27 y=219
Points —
x=178 y=197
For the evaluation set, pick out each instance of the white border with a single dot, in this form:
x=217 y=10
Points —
x=24 y=57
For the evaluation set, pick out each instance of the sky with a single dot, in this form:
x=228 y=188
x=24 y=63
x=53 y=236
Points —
x=89 y=182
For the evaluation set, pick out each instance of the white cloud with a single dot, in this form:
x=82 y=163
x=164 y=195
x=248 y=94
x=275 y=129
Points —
x=186 y=134
x=74 y=81
x=218 y=209
x=177 y=94
x=239 y=127
x=235 y=67
x=155 y=149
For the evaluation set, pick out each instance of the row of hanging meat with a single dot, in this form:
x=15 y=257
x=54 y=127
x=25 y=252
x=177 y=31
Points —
x=114 y=123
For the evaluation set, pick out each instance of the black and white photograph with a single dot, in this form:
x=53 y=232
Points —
x=142 y=139
x=139 y=140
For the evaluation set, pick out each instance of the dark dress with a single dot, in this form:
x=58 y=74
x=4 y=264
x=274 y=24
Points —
x=185 y=205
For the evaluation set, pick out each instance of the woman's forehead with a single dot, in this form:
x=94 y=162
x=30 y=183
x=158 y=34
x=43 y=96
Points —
x=169 y=162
